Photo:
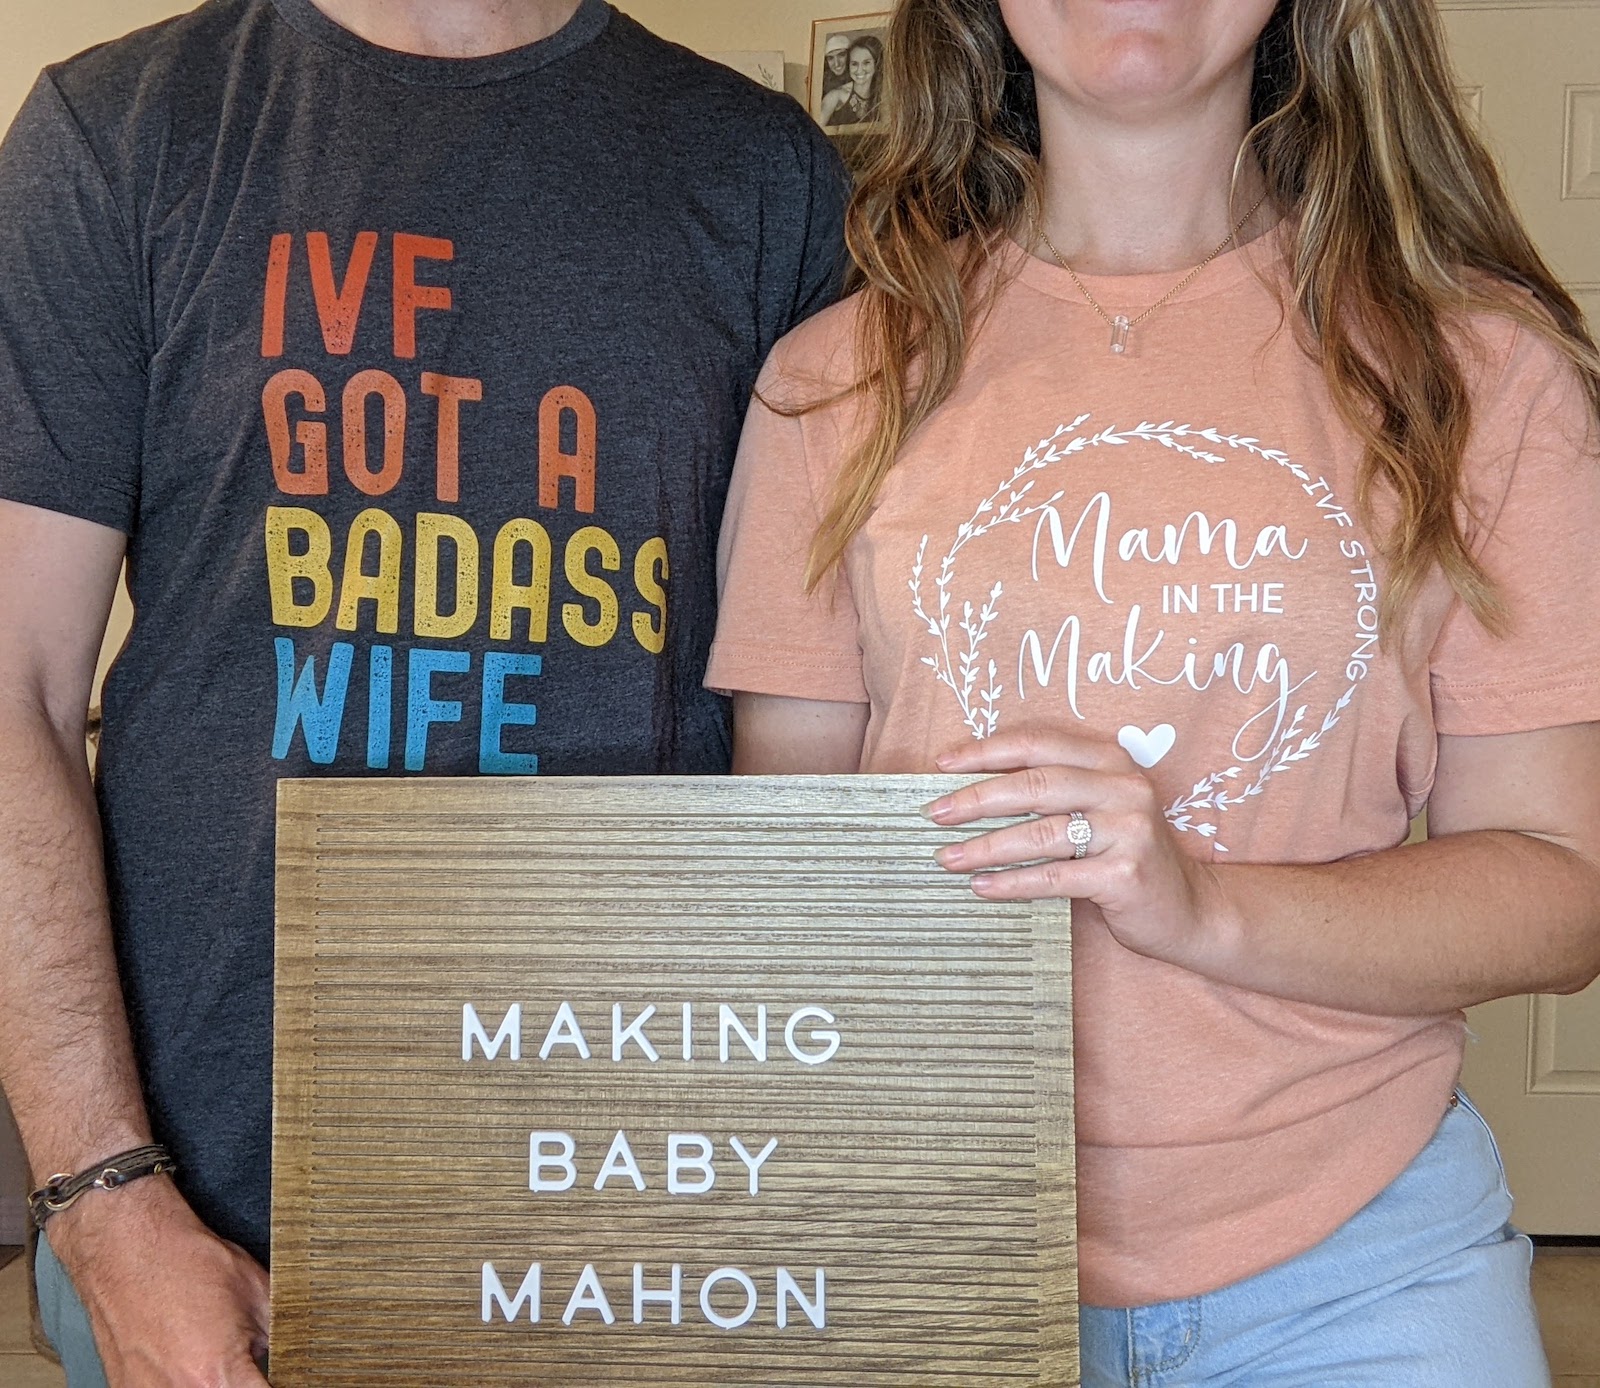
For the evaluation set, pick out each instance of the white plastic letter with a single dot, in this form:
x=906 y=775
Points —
x=814 y=1311
x=472 y=1030
x=564 y=1031
x=754 y=1163
x=588 y=1295
x=495 y=1290
x=677 y=1163
x=830 y=1039
x=728 y=1275
x=619 y=1162
x=634 y=1031
x=674 y=1298
x=728 y=1020
x=540 y=1161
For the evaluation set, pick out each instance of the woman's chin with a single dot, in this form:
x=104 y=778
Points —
x=1138 y=72
x=1135 y=91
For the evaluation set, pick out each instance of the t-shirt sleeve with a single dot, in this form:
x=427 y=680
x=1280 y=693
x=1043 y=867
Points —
x=804 y=258
x=773 y=637
x=1536 y=535
x=73 y=362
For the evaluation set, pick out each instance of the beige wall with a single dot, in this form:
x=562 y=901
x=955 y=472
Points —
x=710 y=26
x=54 y=29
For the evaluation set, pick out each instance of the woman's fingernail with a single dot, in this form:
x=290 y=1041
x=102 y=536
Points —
x=938 y=811
x=945 y=761
x=951 y=856
x=983 y=884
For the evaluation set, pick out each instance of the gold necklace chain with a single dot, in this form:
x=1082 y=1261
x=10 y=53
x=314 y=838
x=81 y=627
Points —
x=1121 y=326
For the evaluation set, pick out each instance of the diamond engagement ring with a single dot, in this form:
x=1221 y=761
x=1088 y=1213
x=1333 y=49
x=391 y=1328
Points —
x=1079 y=834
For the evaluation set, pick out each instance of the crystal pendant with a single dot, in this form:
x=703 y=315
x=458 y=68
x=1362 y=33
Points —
x=1119 y=334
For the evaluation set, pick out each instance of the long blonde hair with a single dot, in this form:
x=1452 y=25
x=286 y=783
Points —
x=1396 y=227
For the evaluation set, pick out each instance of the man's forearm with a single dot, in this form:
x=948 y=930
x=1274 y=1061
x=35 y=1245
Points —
x=1418 y=930
x=66 y=1059
x=168 y=1301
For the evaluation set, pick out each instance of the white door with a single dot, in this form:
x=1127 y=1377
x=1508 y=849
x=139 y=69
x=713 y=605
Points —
x=1534 y=71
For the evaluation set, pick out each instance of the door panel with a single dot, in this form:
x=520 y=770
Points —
x=1534 y=1068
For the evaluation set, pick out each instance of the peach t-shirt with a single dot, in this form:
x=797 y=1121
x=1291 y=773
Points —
x=1164 y=547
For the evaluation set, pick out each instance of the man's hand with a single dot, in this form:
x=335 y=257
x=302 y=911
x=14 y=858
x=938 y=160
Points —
x=171 y=1304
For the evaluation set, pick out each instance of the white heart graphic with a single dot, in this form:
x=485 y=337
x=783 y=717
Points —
x=1147 y=748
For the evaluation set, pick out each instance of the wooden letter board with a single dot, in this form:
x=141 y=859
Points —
x=925 y=1167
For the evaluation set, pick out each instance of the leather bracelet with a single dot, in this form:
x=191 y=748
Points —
x=64 y=1189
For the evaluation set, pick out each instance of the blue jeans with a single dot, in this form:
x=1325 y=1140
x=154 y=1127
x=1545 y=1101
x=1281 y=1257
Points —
x=65 y=1321
x=1427 y=1287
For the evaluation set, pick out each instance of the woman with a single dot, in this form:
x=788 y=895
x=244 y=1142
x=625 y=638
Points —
x=1209 y=459
x=856 y=103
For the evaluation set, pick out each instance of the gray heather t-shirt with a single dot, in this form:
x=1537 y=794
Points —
x=415 y=384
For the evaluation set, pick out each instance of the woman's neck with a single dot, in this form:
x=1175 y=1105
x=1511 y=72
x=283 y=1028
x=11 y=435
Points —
x=1124 y=197
x=450 y=28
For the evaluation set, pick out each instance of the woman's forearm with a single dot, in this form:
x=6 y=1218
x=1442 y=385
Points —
x=1505 y=900
x=1421 y=929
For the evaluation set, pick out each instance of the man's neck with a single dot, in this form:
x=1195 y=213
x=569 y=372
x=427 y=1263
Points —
x=1123 y=197
x=450 y=28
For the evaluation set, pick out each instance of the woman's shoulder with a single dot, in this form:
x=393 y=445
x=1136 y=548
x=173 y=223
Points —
x=817 y=359
x=1509 y=347
x=827 y=349
x=1529 y=398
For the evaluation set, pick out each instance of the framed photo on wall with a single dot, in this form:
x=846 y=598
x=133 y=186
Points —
x=847 y=73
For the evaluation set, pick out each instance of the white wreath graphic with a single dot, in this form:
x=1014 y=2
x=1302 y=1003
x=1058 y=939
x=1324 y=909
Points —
x=961 y=669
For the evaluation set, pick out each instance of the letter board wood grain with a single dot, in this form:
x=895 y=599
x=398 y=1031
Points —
x=659 y=1082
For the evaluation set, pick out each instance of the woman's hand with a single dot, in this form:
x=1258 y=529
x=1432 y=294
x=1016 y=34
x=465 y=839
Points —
x=1155 y=898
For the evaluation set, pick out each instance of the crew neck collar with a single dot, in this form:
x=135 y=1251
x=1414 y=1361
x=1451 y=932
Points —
x=418 y=70
x=1137 y=292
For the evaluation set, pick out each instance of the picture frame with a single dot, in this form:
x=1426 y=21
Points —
x=845 y=88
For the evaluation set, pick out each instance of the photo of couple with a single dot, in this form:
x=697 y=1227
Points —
x=847 y=73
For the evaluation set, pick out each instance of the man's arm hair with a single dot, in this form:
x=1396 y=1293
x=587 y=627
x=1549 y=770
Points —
x=66 y=1061
x=168 y=1301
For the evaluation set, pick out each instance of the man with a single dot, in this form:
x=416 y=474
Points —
x=402 y=346
x=836 y=64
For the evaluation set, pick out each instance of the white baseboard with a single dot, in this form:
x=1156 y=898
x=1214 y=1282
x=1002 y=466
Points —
x=13 y=1218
